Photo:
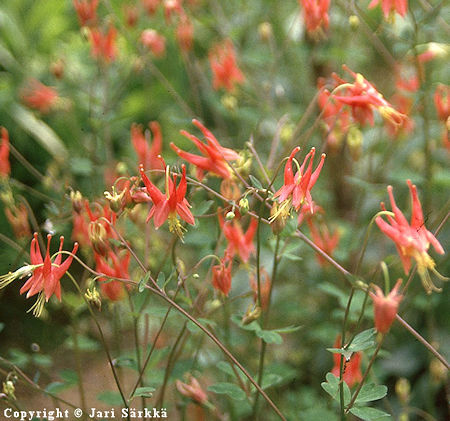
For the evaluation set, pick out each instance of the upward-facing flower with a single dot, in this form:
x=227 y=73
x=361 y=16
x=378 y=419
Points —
x=216 y=157
x=385 y=308
x=86 y=11
x=238 y=242
x=391 y=6
x=296 y=190
x=315 y=13
x=45 y=274
x=412 y=240
x=363 y=98
x=39 y=96
x=118 y=268
x=226 y=73
x=148 y=155
x=5 y=167
x=170 y=205
x=103 y=44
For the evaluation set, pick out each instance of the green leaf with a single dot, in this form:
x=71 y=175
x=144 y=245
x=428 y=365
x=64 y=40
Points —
x=110 y=398
x=230 y=389
x=345 y=352
x=253 y=326
x=69 y=376
x=256 y=183
x=331 y=386
x=84 y=344
x=57 y=387
x=161 y=280
x=287 y=329
x=143 y=282
x=80 y=166
x=271 y=379
x=269 y=336
x=125 y=362
x=42 y=360
x=2 y=326
x=362 y=341
x=371 y=392
x=145 y=392
x=203 y=207
x=368 y=414
x=41 y=131
x=292 y=257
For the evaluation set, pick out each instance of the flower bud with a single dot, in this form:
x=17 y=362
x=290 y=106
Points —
x=94 y=298
x=243 y=206
x=230 y=190
x=9 y=389
x=403 y=389
x=252 y=314
x=230 y=215
x=77 y=201
x=229 y=102
x=265 y=31
x=354 y=142
x=115 y=200
x=287 y=132
x=438 y=372
x=353 y=21
x=57 y=69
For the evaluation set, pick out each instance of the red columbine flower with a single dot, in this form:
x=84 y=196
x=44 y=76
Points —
x=46 y=275
x=185 y=33
x=442 y=103
x=150 y=6
x=363 y=98
x=323 y=239
x=296 y=190
x=39 y=96
x=238 y=242
x=103 y=44
x=155 y=42
x=221 y=275
x=5 y=167
x=412 y=240
x=352 y=368
x=315 y=13
x=215 y=157
x=385 y=308
x=226 y=73
x=192 y=390
x=391 y=6
x=265 y=286
x=113 y=289
x=17 y=216
x=168 y=206
x=148 y=155
x=86 y=11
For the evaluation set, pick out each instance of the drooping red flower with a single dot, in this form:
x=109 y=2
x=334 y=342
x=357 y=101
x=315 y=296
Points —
x=238 y=242
x=391 y=6
x=315 y=14
x=265 y=287
x=226 y=73
x=80 y=230
x=86 y=11
x=172 y=7
x=363 y=98
x=185 y=33
x=46 y=277
x=352 y=368
x=5 y=167
x=100 y=227
x=168 y=206
x=385 y=308
x=192 y=390
x=148 y=155
x=118 y=268
x=296 y=191
x=404 y=105
x=131 y=13
x=103 y=44
x=155 y=42
x=39 y=96
x=221 y=275
x=323 y=239
x=216 y=157
x=412 y=240
x=150 y=6
x=17 y=216
x=442 y=102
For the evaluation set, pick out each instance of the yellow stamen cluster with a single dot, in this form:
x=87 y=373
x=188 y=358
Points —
x=175 y=226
